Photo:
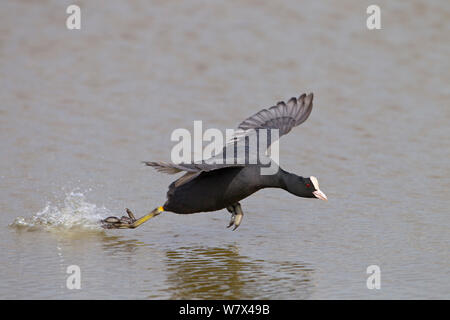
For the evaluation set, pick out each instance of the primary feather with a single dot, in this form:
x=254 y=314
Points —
x=282 y=116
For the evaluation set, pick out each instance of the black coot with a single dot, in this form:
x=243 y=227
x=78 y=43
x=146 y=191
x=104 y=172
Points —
x=212 y=185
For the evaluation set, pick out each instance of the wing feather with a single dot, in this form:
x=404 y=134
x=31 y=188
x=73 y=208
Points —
x=282 y=116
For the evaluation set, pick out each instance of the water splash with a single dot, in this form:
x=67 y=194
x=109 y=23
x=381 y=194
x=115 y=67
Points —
x=75 y=213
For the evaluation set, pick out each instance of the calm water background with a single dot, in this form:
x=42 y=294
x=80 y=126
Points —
x=79 y=110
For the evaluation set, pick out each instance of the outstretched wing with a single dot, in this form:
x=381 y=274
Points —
x=283 y=116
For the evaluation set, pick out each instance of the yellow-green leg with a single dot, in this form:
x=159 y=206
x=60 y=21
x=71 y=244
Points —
x=129 y=222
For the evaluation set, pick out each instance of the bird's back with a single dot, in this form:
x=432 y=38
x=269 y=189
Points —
x=213 y=190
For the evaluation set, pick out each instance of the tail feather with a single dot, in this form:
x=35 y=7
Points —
x=165 y=167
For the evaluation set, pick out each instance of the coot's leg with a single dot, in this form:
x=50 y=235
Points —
x=233 y=215
x=129 y=222
x=239 y=216
x=236 y=215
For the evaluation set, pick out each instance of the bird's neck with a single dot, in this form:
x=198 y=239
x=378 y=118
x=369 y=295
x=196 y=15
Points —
x=285 y=178
x=278 y=180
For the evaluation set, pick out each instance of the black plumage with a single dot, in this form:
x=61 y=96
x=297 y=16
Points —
x=213 y=185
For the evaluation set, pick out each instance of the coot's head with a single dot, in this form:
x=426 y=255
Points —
x=305 y=187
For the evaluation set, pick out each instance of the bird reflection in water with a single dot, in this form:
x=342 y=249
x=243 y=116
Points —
x=222 y=273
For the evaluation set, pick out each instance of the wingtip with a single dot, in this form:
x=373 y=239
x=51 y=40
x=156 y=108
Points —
x=309 y=98
x=304 y=95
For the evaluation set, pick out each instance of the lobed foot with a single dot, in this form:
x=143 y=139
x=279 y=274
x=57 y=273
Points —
x=119 y=223
x=236 y=215
x=129 y=222
x=233 y=217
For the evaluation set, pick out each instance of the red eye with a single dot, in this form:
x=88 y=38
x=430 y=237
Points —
x=308 y=185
